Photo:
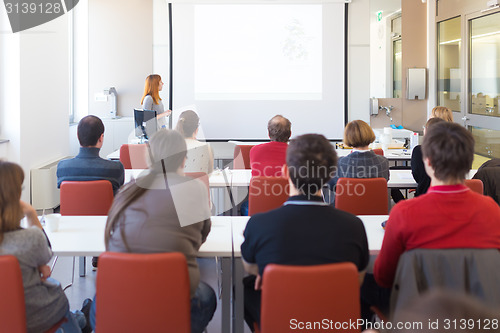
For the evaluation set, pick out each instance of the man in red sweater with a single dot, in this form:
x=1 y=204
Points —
x=449 y=215
x=267 y=159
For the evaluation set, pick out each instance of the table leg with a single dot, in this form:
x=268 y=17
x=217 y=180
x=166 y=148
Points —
x=226 y=294
x=82 y=266
x=238 y=310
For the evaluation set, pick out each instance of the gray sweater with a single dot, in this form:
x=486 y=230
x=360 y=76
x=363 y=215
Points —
x=46 y=302
x=177 y=220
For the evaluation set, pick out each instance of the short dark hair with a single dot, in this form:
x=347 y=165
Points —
x=450 y=150
x=311 y=162
x=432 y=122
x=90 y=129
x=279 y=128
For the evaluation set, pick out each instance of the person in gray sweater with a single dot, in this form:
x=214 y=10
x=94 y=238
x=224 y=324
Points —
x=46 y=303
x=164 y=211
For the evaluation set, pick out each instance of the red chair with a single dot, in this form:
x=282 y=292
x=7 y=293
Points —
x=266 y=193
x=134 y=156
x=379 y=151
x=323 y=291
x=242 y=157
x=362 y=196
x=86 y=197
x=202 y=176
x=475 y=185
x=12 y=307
x=143 y=293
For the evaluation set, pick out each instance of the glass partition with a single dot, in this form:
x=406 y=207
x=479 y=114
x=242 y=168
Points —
x=449 y=71
x=487 y=141
x=485 y=65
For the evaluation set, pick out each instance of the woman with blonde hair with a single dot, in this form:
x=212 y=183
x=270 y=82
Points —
x=442 y=112
x=165 y=211
x=362 y=162
x=45 y=301
x=151 y=99
x=200 y=157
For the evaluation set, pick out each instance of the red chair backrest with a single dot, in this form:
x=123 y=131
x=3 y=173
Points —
x=242 y=157
x=143 y=293
x=266 y=193
x=323 y=291
x=86 y=197
x=362 y=196
x=475 y=185
x=12 y=309
x=134 y=156
x=379 y=151
x=202 y=176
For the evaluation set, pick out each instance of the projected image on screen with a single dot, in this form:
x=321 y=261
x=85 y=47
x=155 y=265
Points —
x=258 y=52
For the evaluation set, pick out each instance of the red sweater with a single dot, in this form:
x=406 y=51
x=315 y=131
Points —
x=450 y=216
x=267 y=159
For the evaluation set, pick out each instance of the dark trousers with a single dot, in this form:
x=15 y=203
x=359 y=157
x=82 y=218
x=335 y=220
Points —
x=251 y=301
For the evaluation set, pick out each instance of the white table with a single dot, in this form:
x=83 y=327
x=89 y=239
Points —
x=84 y=236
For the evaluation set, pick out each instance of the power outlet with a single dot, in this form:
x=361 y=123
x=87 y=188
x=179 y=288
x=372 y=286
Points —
x=100 y=97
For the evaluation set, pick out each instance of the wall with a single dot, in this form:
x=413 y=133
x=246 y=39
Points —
x=414 y=40
x=120 y=52
x=35 y=94
x=359 y=60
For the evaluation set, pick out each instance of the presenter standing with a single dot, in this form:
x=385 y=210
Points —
x=151 y=99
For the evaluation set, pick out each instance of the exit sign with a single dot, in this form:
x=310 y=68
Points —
x=379 y=16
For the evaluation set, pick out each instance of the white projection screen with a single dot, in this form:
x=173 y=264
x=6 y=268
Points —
x=238 y=65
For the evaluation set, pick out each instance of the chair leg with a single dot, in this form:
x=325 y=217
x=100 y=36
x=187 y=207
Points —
x=54 y=263
x=72 y=276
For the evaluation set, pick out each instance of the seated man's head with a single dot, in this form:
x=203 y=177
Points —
x=279 y=129
x=358 y=134
x=90 y=132
x=448 y=151
x=311 y=162
x=167 y=150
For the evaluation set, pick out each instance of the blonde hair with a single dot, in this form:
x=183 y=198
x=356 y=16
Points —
x=442 y=112
x=151 y=87
x=357 y=133
x=11 y=212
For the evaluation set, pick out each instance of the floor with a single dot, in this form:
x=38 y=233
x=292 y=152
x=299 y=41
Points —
x=84 y=287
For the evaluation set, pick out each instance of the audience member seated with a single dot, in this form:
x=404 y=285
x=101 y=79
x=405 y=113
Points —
x=489 y=174
x=442 y=112
x=417 y=163
x=200 y=157
x=46 y=303
x=362 y=162
x=267 y=159
x=165 y=213
x=305 y=230
x=449 y=215
x=87 y=165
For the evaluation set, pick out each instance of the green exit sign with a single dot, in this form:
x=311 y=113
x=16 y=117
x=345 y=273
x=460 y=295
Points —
x=379 y=16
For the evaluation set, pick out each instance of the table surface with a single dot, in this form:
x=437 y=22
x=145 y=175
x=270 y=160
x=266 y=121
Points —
x=84 y=235
x=241 y=178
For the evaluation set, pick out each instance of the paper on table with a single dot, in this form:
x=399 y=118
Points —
x=405 y=176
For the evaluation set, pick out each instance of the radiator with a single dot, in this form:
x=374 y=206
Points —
x=44 y=191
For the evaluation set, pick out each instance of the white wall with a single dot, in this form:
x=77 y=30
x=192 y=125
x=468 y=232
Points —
x=120 y=52
x=35 y=94
x=359 y=60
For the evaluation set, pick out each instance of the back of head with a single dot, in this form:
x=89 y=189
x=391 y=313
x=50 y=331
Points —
x=188 y=123
x=168 y=146
x=450 y=150
x=279 y=128
x=90 y=129
x=442 y=112
x=11 y=180
x=438 y=309
x=357 y=133
x=311 y=162
x=151 y=88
